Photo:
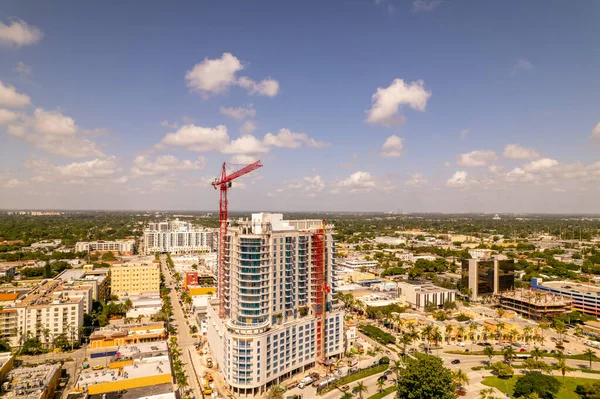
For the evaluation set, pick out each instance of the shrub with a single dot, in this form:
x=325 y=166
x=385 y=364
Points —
x=502 y=370
x=377 y=334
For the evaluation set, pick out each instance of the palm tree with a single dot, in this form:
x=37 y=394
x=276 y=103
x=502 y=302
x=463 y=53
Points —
x=426 y=333
x=543 y=325
x=536 y=353
x=486 y=331
x=591 y=355
x=380 y=385
x=526 y=333
x=405 y=340
x=473 y=327
x=559 y=355
x=436 y=337
x=499 y=329
x=360 y=388
x=563 y=368
x=489 y=352
x=346 y=395
x=513 y=334
x=396 y=367
x=509 y=354
x=460 y=377
x=500 y=312
x=461 y=332
x=275 y=392
x=175 y=352
x=448 y=332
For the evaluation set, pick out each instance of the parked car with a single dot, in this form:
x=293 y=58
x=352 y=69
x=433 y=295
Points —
x=345 y=388
x=522 y=350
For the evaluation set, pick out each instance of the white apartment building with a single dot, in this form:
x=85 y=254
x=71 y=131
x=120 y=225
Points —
x=277 y=275
x=418 y=295
x=46 y=312
x=177 y=237
x=125 y=247
x=358 y=263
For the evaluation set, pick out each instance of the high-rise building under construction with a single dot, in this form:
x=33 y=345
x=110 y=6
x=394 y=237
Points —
x=278 y=318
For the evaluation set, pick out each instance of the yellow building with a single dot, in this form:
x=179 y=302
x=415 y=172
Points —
x=198 y=291
x=6 y=364
x=135 y=278
x=126 y=335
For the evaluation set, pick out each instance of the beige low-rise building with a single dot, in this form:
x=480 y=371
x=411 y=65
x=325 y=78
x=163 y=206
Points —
x=135 y=278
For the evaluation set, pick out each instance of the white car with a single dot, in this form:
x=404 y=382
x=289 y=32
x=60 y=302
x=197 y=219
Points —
x=462 y=344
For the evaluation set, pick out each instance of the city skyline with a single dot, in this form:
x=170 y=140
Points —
x=425 y=106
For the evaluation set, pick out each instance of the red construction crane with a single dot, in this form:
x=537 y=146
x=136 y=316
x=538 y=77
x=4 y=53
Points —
x=224 y=183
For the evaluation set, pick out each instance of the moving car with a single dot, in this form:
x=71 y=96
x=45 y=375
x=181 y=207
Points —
x=455 y=361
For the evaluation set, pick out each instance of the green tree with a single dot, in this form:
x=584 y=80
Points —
x=509 y=354
x=346 y=395
x=545 y=386
x=590 y=354
x=360 y=389
x=380 y=384
x=426 y=378
x=489 y=352
x=563 y=368
x=32 y=346
x=108 y=256
x=48 y=270
x=502 y=370
x=275 y=392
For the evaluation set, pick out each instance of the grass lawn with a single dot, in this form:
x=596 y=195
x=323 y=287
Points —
x=566 y=391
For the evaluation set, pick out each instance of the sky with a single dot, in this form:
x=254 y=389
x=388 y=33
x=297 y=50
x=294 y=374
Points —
x=374 y=105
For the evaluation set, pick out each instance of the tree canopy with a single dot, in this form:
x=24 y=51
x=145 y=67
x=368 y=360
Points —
x=426 y=378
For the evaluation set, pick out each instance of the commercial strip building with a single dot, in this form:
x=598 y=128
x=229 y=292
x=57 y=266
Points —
x=127 y=335
x=38 y=382
x=488 y=277
x=278 y=318
x=585 y=298
x=535 y=305
x=177 y=237
x=418 y=294
x=123 y=247
x=138 y=277
x=134 y=366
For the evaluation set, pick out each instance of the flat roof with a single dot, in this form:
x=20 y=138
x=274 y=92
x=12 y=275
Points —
x=572 y=286
x=158 y=365
x=162 y=391
x=141 y=348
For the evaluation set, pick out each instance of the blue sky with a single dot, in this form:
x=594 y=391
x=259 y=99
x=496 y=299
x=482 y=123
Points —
x=105 y=83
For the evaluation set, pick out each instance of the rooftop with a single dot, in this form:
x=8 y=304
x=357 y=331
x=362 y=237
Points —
x=141 y=349
x=29 y=382
x=536 y=298
x=162 y=391
x=572 y=286
x=140 y=368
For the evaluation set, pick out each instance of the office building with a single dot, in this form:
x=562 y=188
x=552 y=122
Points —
x=418 y=295
x=123 y=247
x=535 y=305
x=135 y=278
x=585 y=298
x=177 y=237
x=278 y=318
x=488 y=277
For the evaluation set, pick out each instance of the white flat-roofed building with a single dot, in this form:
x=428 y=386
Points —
x=480 y=253
x=124 y=247
x=177 y=237
x=277 y=278
x=419 y=294
x=358 y=263
x=390 y=240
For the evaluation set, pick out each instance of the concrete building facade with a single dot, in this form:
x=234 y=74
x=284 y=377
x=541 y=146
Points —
x=177 y=237
x=135 y=278
x=273 y=326
x=585 y=298
x=124 y=247
x=418 y=295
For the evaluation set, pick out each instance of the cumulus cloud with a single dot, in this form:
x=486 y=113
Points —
x=393 y=147
x=386 y=102
x=53 y=123
x=285 y=138
x=248 y=127
x=458 y=180
x=164 y=164
x=521 y=65
x=239 y=113
x=515 y=151
x=94 y=170
x=519 y=175
x=362 y=182
x=7 y=116
x=197 y=138
x=216 y=76
x=596 y=132
x=425 y=5
x=540 y=165
x=243 y=159
x=310 y=185
x=23 y=69
x=9 y=97
x=18 y=33
x=246 y=144
x=476 y=158
x=416 y=180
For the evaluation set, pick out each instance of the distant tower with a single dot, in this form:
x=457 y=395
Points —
x=497 y=217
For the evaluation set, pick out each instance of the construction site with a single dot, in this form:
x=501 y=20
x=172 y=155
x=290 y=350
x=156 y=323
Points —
x=535 y=305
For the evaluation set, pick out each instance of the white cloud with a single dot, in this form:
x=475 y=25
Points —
x=476 y=158
x=248 y=127
x=358 y=181
x=19 y=33
x=143 y=166
x=285 y=138
x=23 y=69
x=53 y=123
x=416 y=180
x=514 y=151
x=246 y=144
x=447 y=164
x=17 y=130
x=559 y=190
x=596 y=132
x=197 y=138
x=458 y=179
x=214 y=76
x=540 y=165
x=519 y=175
x=7 y=116
x=94 y=170
x=239 y=113
x=8 y=181
x=267 y=87
x=463 y=133
x=386 y=102
x=243 y=159
x=521 y=65
x=218 y=75
x=70 y=147
x=393 y=147
x=9 y=97
x=425 y=5
x=170 y=125
x=310 y=185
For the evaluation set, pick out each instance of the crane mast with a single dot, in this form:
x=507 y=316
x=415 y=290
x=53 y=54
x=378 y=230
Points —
x=223 y=183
